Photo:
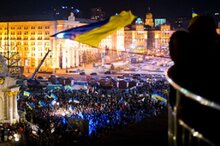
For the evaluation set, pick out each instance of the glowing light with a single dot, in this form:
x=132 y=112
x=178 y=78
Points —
x=60 y=35
x=53 y=102
x=77 y=10
x=63 y=114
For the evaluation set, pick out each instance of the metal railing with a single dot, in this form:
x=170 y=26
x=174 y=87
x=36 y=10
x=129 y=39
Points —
x=192 y=119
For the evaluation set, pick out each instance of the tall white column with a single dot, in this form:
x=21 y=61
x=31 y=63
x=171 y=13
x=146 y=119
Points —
x=10 y=109
x=73 y=59
x=1 y=108
x=15 y=108
x=77 y=57
x=7 y=108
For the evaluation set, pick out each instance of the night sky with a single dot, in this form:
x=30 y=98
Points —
x=160 y=8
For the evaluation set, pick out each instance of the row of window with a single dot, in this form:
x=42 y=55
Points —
x=26 y=43
x=25 y=33
x=18 y=49
x=25 y=27
x=25 y=38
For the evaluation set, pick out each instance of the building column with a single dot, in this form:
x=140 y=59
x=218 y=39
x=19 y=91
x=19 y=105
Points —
x=77 y=57
x=11 y=109
x=73 y=57
x=1 y=109
x=15 y=108
x=6 y=108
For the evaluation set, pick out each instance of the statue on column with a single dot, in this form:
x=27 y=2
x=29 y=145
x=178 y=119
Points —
x=71 y=17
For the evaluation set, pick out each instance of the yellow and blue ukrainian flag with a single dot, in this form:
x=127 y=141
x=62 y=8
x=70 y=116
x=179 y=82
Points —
x=26 y=93
x=194 y=14
x=92 y=34
x=158 y=96
x=73 y=32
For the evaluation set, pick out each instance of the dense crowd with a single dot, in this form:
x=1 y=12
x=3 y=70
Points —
x=64 y=116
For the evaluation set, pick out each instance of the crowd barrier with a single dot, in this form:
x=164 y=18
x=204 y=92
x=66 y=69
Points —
x=192 y=120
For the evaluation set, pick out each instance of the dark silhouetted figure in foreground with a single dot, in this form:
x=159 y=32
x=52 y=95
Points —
x=195 y=54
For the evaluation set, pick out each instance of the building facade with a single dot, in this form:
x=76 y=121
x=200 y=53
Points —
x=145 y=38
x=149 y=21
x=30 y=41
x=136 y=39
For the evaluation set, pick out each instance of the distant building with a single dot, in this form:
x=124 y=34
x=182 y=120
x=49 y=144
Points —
x=159 y=21
x=145 y=37
x=149 y=21
x=180 y=22
x=136 y=39
x=162 y=37
x=32 y=39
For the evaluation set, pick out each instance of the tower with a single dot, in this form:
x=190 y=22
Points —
x=149 y=21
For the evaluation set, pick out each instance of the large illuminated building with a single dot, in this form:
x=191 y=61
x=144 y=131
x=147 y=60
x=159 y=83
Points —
x=29 y=41
x=162 y=36
x=136 y=37
x=26 y=42
x=147 y=37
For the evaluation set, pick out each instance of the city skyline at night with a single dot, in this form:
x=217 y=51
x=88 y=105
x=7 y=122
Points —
x=159 y=8
x=110 y=72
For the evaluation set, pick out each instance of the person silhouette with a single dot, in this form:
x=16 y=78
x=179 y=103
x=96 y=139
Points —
x=205 y=45
x=195 y=56
x=179 y=45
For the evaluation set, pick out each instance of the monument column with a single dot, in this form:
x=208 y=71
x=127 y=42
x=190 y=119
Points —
x=10 y=106
x=77 y=57
x=15 y=107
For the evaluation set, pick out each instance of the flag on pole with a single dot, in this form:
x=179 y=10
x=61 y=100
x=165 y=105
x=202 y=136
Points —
x=160 y=97
x=73 y=32
x=115 y=23
x=26 y=93
x=92 y=34
x=194 y=14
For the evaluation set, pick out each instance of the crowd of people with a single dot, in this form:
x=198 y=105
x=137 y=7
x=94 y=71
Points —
x=64 y=116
